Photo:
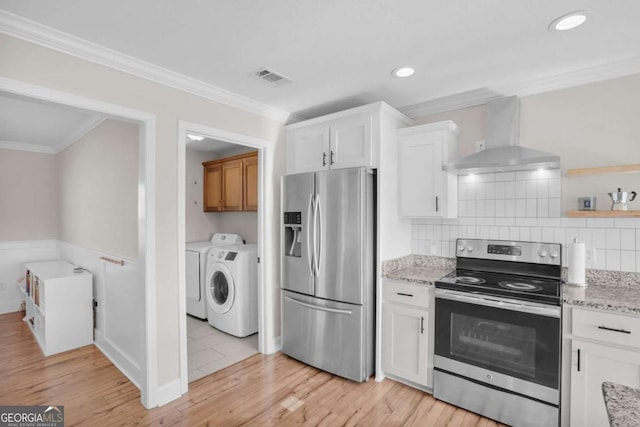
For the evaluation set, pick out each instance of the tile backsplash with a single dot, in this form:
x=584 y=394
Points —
x=526 y=206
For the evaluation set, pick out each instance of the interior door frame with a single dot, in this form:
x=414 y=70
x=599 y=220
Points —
x=266 y=326
x=146 y=210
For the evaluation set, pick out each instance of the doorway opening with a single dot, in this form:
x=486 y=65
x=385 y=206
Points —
x=138 y=362
x=232 y=321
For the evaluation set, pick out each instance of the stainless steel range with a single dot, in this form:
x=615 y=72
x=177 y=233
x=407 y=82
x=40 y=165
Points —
x=498 y=331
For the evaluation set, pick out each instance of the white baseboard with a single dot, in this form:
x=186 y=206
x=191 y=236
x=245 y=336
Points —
x=169 y=391
x=273 y=345
x=129 y=369
x=10 y=306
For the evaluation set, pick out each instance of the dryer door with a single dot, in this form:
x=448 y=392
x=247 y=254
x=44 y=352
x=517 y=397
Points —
x=220 y=289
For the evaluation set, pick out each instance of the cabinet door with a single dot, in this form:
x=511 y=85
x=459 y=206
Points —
x=405 y=342
x=232 y=185
x=598 y=363
x=212 y=188
x=251 y=183
x=420 y=176
x=308 y=149
x=351 y=142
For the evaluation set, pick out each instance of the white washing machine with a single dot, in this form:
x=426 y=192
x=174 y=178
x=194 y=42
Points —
x=196 y=270
x=232 y=289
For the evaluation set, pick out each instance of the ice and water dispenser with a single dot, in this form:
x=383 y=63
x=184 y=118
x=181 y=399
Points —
x=293 y=234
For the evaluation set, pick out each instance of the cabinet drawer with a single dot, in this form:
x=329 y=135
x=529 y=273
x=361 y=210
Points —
x=406 y=293
x=608 y=327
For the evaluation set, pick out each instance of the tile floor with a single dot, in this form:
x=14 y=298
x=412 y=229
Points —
x=209 y=350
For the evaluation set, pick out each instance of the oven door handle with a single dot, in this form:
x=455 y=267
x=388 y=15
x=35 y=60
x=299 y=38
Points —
x=524 y=307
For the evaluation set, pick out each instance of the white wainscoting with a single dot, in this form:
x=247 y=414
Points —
x=119 y=292
x=13 y=257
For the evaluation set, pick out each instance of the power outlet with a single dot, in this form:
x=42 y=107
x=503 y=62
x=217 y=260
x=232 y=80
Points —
x=480 y=146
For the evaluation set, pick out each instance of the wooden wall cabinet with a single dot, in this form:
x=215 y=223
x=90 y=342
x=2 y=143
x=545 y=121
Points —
x=231 y=184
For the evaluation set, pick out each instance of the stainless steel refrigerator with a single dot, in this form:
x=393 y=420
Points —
x=328 y=270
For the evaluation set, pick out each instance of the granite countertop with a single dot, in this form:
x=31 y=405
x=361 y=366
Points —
x=607 y=290
x=418 y=269
x=623 y=404
x=622 y=299
x=422 y=275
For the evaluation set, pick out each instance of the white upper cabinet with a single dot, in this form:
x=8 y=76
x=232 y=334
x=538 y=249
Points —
x=307 y=149
x=425 y=189
x=346 y=139
x=351 y=142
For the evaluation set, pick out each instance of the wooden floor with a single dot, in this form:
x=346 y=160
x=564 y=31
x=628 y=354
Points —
x=259 y=391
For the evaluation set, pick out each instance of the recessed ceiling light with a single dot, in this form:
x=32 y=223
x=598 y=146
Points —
x=403 y=72
x=569 y=21
x=195 y=137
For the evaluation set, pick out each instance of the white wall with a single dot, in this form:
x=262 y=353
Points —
x=199 y=225
x=28 y=196
x=588 y=126
x=98 y=187
x=33 y=64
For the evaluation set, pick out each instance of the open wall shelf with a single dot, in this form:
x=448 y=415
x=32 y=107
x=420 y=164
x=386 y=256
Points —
x=603 y=214
x=604 y=170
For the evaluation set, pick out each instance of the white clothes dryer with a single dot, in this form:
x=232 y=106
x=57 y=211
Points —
x=196 y=270
x=232 y=289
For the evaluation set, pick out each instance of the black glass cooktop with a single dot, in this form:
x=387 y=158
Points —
x=507 y=285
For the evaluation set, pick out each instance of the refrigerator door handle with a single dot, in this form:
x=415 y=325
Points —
x=309 y=221
x=319 y=308
x=317 y=235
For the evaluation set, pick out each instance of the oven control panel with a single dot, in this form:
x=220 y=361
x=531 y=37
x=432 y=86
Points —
x=504 y=250
x=531 y=252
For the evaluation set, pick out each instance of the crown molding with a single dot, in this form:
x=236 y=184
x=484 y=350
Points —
x=450 y=103
x=25 y=29
x=89 y=125
x=21 y=146
x=532 y=87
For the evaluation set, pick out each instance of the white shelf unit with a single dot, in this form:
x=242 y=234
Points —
x=59 y=306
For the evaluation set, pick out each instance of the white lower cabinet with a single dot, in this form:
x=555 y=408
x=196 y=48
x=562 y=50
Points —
x=598 y=363
x=405 y=332
x=604 y=347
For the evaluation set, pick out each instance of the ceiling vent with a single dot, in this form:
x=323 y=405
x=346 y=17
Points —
x=271 y=77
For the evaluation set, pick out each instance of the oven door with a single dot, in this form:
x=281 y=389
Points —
x=508 y=344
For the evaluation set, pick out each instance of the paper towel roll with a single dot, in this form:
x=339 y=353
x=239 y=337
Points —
x=577 y=264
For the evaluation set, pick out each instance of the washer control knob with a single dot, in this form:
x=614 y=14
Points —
x=543 y=253
x=554 y=254
x=461 y=248
x=469 y=248
x=489 y=377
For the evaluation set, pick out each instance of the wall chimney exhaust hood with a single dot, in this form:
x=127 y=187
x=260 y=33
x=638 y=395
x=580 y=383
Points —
x=503 y=152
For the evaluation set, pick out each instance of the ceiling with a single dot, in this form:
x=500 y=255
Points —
x=33 y=125
x=339 y=54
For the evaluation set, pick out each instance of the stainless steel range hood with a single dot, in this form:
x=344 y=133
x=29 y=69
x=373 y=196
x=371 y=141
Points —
x=503 y=152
